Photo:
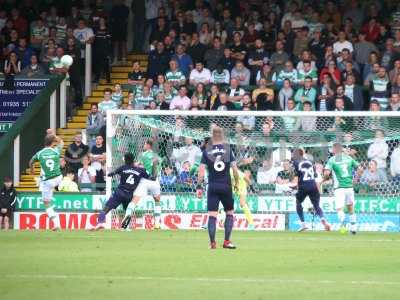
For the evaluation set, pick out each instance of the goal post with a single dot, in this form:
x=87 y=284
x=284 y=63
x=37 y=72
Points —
x=262 y=142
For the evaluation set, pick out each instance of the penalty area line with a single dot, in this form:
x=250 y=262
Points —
x=199 y=279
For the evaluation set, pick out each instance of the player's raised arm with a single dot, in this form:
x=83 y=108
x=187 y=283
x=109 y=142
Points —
x=235 y=175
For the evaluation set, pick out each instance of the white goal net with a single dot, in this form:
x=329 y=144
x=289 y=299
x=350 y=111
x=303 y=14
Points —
x=262 y=143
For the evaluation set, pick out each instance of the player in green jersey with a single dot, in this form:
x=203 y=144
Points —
x=342 y=167
x=151 y=163
x=51 y=177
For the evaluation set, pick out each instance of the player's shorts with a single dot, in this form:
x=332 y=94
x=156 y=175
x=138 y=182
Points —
x=217 y=194
x=47 y=186
x=7 y=214
x=117 y=198
x=147 y=187
x=312 y=193
x=343 y=196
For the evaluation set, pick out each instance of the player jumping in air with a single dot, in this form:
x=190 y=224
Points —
x=217 y=159
x=342 y=167
x=306 y=186
x=244 y=182
x=130 y=177
x=151 y=162
x=51 y=177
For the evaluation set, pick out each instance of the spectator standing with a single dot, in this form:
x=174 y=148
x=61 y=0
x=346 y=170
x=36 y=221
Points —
x=118 y=26
x=107 y=103
x=94 y=123
x=379 y=151
x=257 y=58
x=85 y=36
x=158 y=61
x=86 y=175
x=98 y=158
x=380 y=89
x=8 y=196
x=75 y=152
x=355 y=93
x=101 y=51
x=307 y=93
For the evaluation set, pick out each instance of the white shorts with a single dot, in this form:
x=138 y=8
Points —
x=47 y=186
x=343 y=196
x=147 y=187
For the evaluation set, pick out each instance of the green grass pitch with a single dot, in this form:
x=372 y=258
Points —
x=178 y=265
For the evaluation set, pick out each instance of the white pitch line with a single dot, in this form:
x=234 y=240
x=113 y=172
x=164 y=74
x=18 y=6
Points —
x=199 y=279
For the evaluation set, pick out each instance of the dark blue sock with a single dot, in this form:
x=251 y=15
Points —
x=228 y=227
x=299 y=209
x=101 y=218
x=212 y=228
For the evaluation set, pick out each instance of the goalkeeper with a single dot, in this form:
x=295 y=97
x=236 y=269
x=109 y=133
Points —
x=241 y=192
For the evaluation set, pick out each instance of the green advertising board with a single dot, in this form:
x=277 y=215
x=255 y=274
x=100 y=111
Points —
x=190 y=203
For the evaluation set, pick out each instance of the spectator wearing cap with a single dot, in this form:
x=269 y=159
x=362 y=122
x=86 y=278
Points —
x=8 y=196
x=241 y=73
x=257 y=58
x=200 y=74
x=220 y=75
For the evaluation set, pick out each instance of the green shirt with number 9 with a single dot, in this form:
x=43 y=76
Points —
x=49 y=160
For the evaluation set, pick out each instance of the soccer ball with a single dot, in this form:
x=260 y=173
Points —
x=67 y=60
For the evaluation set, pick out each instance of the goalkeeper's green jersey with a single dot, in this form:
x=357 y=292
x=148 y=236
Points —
x=342 y=168
x=146 y=159
x=49 y=160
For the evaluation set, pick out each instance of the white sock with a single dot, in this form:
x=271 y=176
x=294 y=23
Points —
x=157 y=214
x=341 y=216
x=53 y=216
x=130 y=209
x=353 y=218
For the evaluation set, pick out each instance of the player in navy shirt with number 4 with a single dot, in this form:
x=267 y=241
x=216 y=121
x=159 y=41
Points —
x=130 y=177
x=306 y=186
x=217 y=159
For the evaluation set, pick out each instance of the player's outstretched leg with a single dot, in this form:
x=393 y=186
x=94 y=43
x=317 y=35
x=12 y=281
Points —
x=318 y=211
x=157 y=212
x=129 y=212
x=228 y=230
x=101 y=218
x=212 y=228
x=247 y=212
x=341 y=217
x=352 y=219
x=300 y=213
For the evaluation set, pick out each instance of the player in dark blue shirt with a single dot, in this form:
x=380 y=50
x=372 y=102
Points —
x=217 y=159
x=305 y=176
x=130 y=177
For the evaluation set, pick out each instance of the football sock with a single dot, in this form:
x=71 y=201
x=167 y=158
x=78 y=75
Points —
x=53 y=216
x=300 y=213
x=212 y=227
x=228 y=227
x=157 y=213
x=353 y=218
x=130 y=209
x=318 y=211
x=101 y=218
x=341 y=216
x=247 y=214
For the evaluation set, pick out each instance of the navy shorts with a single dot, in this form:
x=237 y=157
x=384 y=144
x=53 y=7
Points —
x=312 y=193
x=216 y=194
x=119 y=197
